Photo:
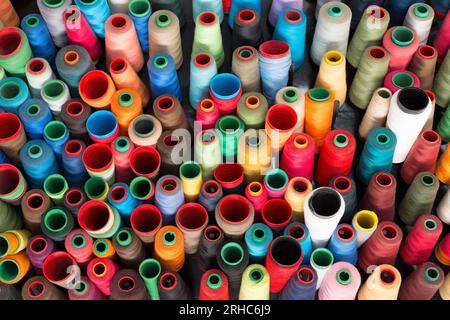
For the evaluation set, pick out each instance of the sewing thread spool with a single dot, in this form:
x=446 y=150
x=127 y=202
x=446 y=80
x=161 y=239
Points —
x=232 y=257
x=12 y=136
x=102 y=126
x=237 y=6
x=74 y=114
x=126 y=104
x=371 y=28
x=163 y=75
x=421 y=240
x=231 y=177
x=126 y=284
x=234 y=215
x=297 y=158
x=55 y=186
x=380 y=196
x=96 y=13
x=13 y=268
x=168 y=110
x=408 y=106
x=145 y=161
x=341 y=282
x=10 y=17
x=169 y=248
x=207 y=5
x=16 y=51
x=318 y=115
x=382 y=284
x=57 y=223
x=301 y=285
x=252 y=108
x=96 y=188
x=280 y=267
x=364 y=222
x=441 y=39
x=13 y=184
x=98 y=219
x=343 y=244
x=140 y=11
x=80 y=33
x=372 y=69
x=101 y=271
x=34 y=114
x=225 y=90
x=145 y=130
x=125 y=77
x=145 y=221
x=96 y=88
x=210 y=193
x=11 y=219
x=207 y=114
x=121 y=40
x=401 y=43
x=245 y=64
x=72 y=62
x=423 y=64
x=191 y=219
x=278 y=5
x=208 y=152
x=246 y=29
x=376 y=112
x=291 y=28
x=122 y=148
x=38 y=72
x=280 y=123
x=164 y=35
x=56 y=93
x=399 y=79
x=85 y=289
x=324 y=207
x=255 y=283
x=257 y=239
x=442 y=252
x=377 y=154
x=230 y=128
x=13 y=242
x=33 y=204
x=419 y=198
x=13 y=93
x=129 y=248
x=52 y=12
x=336 y=156
x=332 y=30
x=38 y=161
x=274 y=65
x=440 y=83
x=57 y=261
x=208 y=38
x=120 y=197
x=39 y=37
x=254 y=154
x=332 y=75
x=73 y=199
x=422 y=283
x=191 y=179
x=257 y=195
x=321 y=261
x=203 y=68
x=99 y=162
x=442 y=208
x=442 y=168
x=346 y=186
x=297 y=190
x=275 y=183
x=214 y=285
x=382 y=247
x=422 y=156
x=169 y=196
x=210 y=241
x=420 y=18
x=38 y=288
